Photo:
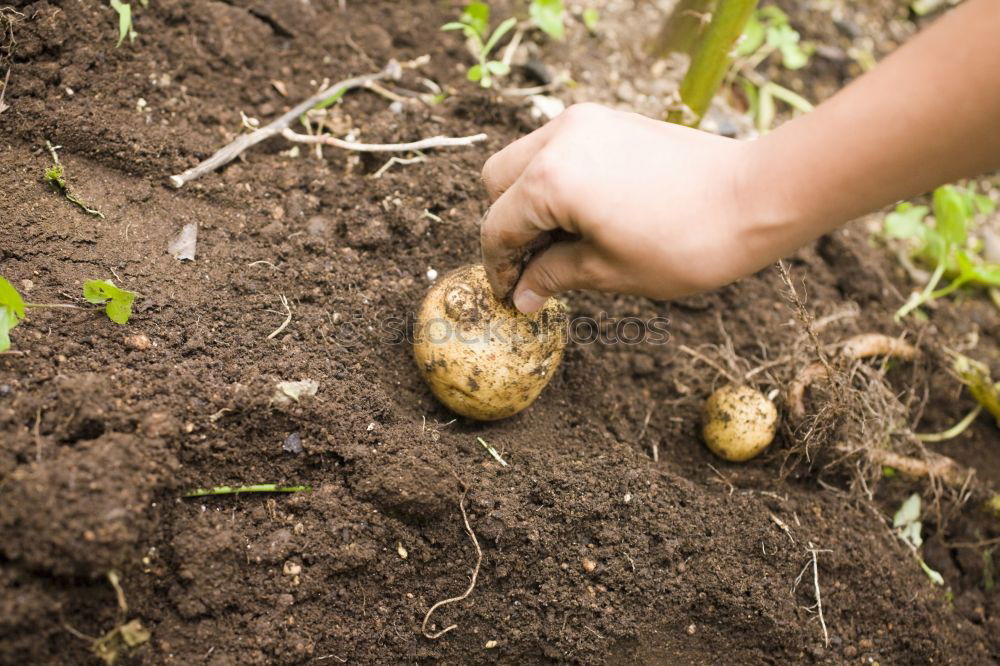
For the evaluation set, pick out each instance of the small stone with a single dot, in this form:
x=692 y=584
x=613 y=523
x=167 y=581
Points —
x=278 y=213
x=490 y=645
x=865 y=644
x=691 y=629
x=292 y=568
x=140 y=342
x=589 y=565
x=431 y=274
x=28 y=285
x=401 y=550
x=293 y=443
x=850 y=651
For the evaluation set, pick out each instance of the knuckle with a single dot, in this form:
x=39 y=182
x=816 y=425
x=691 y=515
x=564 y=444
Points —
x=546 y=278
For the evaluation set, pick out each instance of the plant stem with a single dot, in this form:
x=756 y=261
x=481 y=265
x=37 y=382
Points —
x=682 y=28
x=235 y=490
x=953 y=431
x=711 y=60
x=53 y=305
x=916 y=300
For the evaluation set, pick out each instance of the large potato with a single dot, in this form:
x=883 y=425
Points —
x=481 y=357
x=738 y=423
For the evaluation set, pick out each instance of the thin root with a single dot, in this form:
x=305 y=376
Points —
x=288 y=319
x=472 y=583
x=423 y=144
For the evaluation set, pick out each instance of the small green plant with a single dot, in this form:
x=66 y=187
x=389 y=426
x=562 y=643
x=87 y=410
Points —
x=117 y=302
x=13 y=308
x=124 y=11
x=475 y=25
x=548 y=16
x=946 y=245
x=906 y=522
x=767 y=32
x=590 y=19
x=55 y=176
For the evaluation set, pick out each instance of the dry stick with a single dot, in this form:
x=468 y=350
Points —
x=288 y=319
x=472 y=583
x=423 y=144
x=3 y=91
x=228 y=153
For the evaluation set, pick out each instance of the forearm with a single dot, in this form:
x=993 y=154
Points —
x=928 y=114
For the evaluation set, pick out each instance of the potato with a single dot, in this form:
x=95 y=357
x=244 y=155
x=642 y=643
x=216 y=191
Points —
x=738 y=423
x=481 y=357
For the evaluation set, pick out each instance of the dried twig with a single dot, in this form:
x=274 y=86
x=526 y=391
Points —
x=288 y=319
x=472 y=583
x=423 y=144
x=3 y=91
x=228 y=153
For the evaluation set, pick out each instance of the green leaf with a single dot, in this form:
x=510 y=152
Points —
x=332 y=99
x=753 y=37
x=454 y=25
x=8 y=320
x=772 y=14
x=497 y=35
x=548 y=15
x=909 y=512
x=935 y=577
x=124 y=10
x=119 y=301
x=11 y=299
x=793 y=56
x=476 y=15
x=984 y=205
x=498 y=68
x=950 y=213
x=56 y=176
x=475 y=73
x=907 y=221
x=590 y=19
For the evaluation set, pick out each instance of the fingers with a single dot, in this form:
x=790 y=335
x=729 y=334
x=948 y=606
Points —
x=505 y=167
x=560 y=267
x=512 y=228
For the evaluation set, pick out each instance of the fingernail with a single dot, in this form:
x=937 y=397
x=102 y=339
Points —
x=527 y=301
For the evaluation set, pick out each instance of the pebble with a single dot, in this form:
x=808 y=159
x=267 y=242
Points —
x=588 y=565
x=292 y=568
x=691 y=629
x=293 y=443
x=140 y=342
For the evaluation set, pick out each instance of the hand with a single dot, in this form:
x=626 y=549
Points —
x=614 y=201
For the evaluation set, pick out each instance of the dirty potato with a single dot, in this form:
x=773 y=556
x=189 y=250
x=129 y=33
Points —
x=738 y=422
x=481 y=357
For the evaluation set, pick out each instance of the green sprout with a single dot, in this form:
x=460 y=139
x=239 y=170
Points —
x=492 y=452
x=118 y=301
x=768 y=31
x=946 y=245
x=236 y=490
x=590 y=19
x=13 y=308
x=125 y=29
x=475 y=24
x=55 y=176
x=906 y=522
x=548 y=16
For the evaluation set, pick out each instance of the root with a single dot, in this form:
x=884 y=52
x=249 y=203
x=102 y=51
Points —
x=818 y=606
x=423 y=144
x=228 y=153
x=472 y=583
x=284 y=324
x=934 y=465
x=876 y=344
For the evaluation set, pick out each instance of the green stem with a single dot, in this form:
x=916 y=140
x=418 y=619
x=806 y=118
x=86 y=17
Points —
x=953 y=431
x=917 y=300
x=711 y=60
x=52 y=305
x=682 y=28
x=235 y=490
x=955 y=285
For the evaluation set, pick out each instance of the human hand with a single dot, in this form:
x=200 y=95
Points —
x=618 y=202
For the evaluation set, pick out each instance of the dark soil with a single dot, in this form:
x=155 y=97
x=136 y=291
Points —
x=592 y=550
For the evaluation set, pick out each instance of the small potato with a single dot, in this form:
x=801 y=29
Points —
x=481 y=357
x=738 y=423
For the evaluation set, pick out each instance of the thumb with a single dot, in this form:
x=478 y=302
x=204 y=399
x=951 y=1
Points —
x=558 y=268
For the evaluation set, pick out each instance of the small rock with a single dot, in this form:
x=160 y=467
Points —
x=317 y=225
x=865 y=644
x=691 y=629
x=293 y=443
x=278 y=213
x=140 y=341
x=401 y=550
x=292 y=568
x=490 y=645
x=850 y=651
x=285 y=600
x=28 y=285
x=431 y=274
x=588 y=565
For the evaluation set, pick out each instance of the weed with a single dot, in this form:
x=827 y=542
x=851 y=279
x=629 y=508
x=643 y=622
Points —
x=906 y=522
x=475 y=24
x=118 y=302
x=13 y=308
x=548 y=16
x=55 y=176
x=124 y=10
x=945 y=245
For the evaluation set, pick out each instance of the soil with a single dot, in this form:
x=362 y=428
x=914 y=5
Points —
x=612 y=536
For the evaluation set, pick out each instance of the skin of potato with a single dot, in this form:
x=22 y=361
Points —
x=738 y=423
x=481 y=357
